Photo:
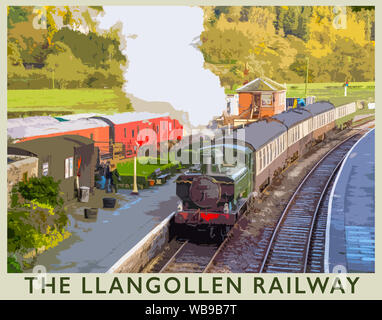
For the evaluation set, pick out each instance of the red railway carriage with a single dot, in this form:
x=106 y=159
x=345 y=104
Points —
x=31 y=128
x=126 y=128
x=149 y=128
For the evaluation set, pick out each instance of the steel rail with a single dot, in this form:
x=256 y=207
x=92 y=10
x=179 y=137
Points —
x=286 y=209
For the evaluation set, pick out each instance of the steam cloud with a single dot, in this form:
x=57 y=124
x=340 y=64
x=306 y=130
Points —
x=164 y=63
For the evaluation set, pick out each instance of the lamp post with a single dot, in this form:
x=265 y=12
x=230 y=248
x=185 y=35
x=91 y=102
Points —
x=306 y=79
x=135 y=186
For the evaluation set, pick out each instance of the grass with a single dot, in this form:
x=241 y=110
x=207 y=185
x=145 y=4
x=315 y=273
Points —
x=333 y=92
x=144 y=170
x=66 y=101
x=363 y=111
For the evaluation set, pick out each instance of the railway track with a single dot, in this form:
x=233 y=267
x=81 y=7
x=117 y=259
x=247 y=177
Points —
x=296 y=244
x=288 y=250
x=190 y=257
x=317 y=243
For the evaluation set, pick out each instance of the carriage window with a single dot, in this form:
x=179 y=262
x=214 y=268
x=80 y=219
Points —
x=264 y=158
x=277 y=147
x=271 y=152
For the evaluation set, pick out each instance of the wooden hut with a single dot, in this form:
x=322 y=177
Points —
x=64 y=158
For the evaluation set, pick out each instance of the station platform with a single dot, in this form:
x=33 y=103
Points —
x=350 y=233
x=97 y=244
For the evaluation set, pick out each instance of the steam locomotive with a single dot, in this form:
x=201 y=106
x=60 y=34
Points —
x=214 y=194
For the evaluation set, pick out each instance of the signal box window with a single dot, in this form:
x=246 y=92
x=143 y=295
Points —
x=266 y=100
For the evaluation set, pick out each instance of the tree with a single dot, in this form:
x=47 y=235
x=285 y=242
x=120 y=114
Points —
x=65 y=67
x=13 y=54
x=15 y=15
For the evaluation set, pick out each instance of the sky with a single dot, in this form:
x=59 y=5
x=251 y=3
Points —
x=163 y=63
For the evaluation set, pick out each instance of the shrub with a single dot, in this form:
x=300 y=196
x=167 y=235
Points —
x=44 y=190
x=13 y=266
x=36 y=218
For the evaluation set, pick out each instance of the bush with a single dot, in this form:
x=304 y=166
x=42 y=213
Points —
x=13 y=266
x=129 y=180
x=35 y=226
x=43 y=190
x=36 y=218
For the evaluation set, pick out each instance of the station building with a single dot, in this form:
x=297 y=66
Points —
x=63 y=157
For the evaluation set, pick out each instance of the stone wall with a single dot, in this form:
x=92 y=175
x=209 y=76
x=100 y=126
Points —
x=141 y=254
x=18 y=167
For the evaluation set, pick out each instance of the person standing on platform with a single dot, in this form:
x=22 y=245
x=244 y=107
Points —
x=108 y=176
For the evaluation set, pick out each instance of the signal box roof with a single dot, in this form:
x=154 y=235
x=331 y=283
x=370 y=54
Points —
x=261 y=84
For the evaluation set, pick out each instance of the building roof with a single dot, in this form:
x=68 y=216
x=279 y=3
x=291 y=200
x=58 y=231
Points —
x=261 y=84
x=319 y=107
x=61 y=144
x=77 y=116
x=31 y=121
x=293 y=116
x=35 y=129
x=127 y=117
x=261 y=132
x=16 y=158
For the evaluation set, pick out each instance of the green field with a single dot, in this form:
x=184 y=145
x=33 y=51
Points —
x=334 y=92
x=66 y=101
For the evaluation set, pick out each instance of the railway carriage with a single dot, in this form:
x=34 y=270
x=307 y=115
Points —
x=105 y=130
x=345 y=110
x=323 y=116
x=31 y=128
x=270 y=144
x=300 y=126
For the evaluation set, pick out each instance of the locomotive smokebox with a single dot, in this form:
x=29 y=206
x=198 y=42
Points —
x=205 y=192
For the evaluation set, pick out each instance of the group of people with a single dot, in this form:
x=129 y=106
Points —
x=108 y=177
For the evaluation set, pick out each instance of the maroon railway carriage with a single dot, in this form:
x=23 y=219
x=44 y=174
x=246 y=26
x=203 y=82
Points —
x=273 y=144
